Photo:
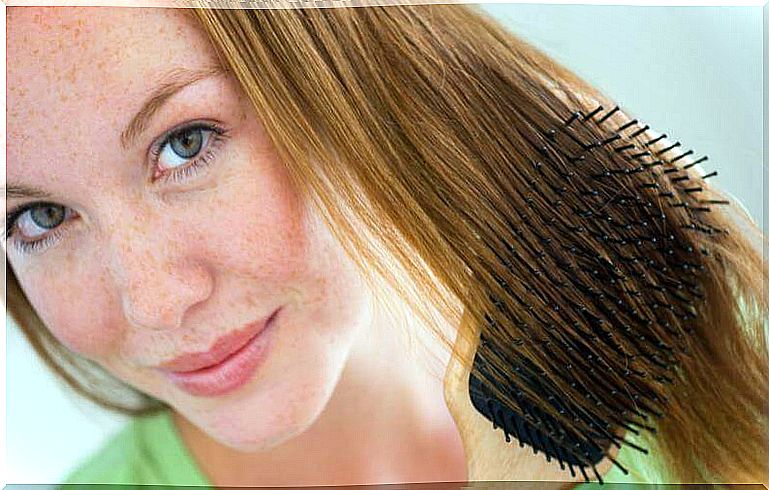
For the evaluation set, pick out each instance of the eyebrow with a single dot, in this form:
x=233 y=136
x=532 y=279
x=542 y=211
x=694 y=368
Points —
x=170 y=84
x=25 y=191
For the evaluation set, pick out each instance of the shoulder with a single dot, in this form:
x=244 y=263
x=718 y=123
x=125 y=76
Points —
x=147 y=451
x=111 y=463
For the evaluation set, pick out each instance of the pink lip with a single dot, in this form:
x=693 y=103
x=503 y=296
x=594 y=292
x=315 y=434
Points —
x=222 y=348
x=228 y=365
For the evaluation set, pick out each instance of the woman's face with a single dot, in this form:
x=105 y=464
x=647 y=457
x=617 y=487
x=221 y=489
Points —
x=154 y=239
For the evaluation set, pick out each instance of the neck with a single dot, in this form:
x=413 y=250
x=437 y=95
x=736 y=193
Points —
x=387 y=422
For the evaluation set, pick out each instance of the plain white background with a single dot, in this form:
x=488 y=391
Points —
x=692 y=72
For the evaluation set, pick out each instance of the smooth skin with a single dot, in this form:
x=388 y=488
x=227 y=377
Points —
x=144 y=259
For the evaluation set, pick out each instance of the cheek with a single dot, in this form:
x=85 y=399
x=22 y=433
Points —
x=255 y=223
x=74 y=311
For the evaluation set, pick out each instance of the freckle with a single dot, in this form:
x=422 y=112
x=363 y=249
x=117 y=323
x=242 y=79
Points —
x=71 y=74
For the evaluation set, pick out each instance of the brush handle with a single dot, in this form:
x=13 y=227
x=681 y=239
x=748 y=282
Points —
x=489 y=456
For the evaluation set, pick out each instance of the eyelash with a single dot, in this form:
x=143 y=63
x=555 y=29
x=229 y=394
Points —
x=189 y=169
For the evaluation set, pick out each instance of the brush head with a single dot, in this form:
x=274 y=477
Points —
x=604 y=281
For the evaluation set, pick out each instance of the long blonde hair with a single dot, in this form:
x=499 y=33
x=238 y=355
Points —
x=409 y=128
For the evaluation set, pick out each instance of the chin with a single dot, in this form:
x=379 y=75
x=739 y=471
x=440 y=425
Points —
x=271 y=416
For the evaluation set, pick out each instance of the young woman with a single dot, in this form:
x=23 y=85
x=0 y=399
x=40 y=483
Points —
x=249 y=227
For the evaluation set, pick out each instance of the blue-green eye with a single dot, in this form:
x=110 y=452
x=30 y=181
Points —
x=37 y=223
x=184 y=151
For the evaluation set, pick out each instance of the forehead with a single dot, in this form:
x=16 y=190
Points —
x=88 y=69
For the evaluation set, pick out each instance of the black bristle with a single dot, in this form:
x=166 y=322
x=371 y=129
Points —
x=610 y=140
x=661 y=137
x=624 y=148
x=668 y=148
x=639 y=132
x=700 y=160
x=654 y=164
x=627 y=125
x=592 y=113
x=574 y=116
x=682 y=155
x=597 y=475
x=582 y=469
x=536 y=443
x=619 y=466
x=607 y=115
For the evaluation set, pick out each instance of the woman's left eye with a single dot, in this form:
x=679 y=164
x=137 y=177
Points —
x=183 y=152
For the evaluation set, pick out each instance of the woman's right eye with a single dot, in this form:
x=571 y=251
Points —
x=33 y=226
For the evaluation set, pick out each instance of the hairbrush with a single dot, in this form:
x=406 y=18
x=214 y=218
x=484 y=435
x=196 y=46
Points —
x=606 y=350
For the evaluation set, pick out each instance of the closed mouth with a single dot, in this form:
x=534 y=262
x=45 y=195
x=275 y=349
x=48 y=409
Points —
x=223 y=348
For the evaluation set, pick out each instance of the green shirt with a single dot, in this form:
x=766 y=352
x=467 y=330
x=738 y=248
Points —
x=150 y=451
x=147 y=451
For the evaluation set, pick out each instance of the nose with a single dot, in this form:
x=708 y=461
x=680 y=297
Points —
x=157 y=277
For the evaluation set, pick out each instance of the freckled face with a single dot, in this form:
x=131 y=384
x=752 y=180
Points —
x=151 y=247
